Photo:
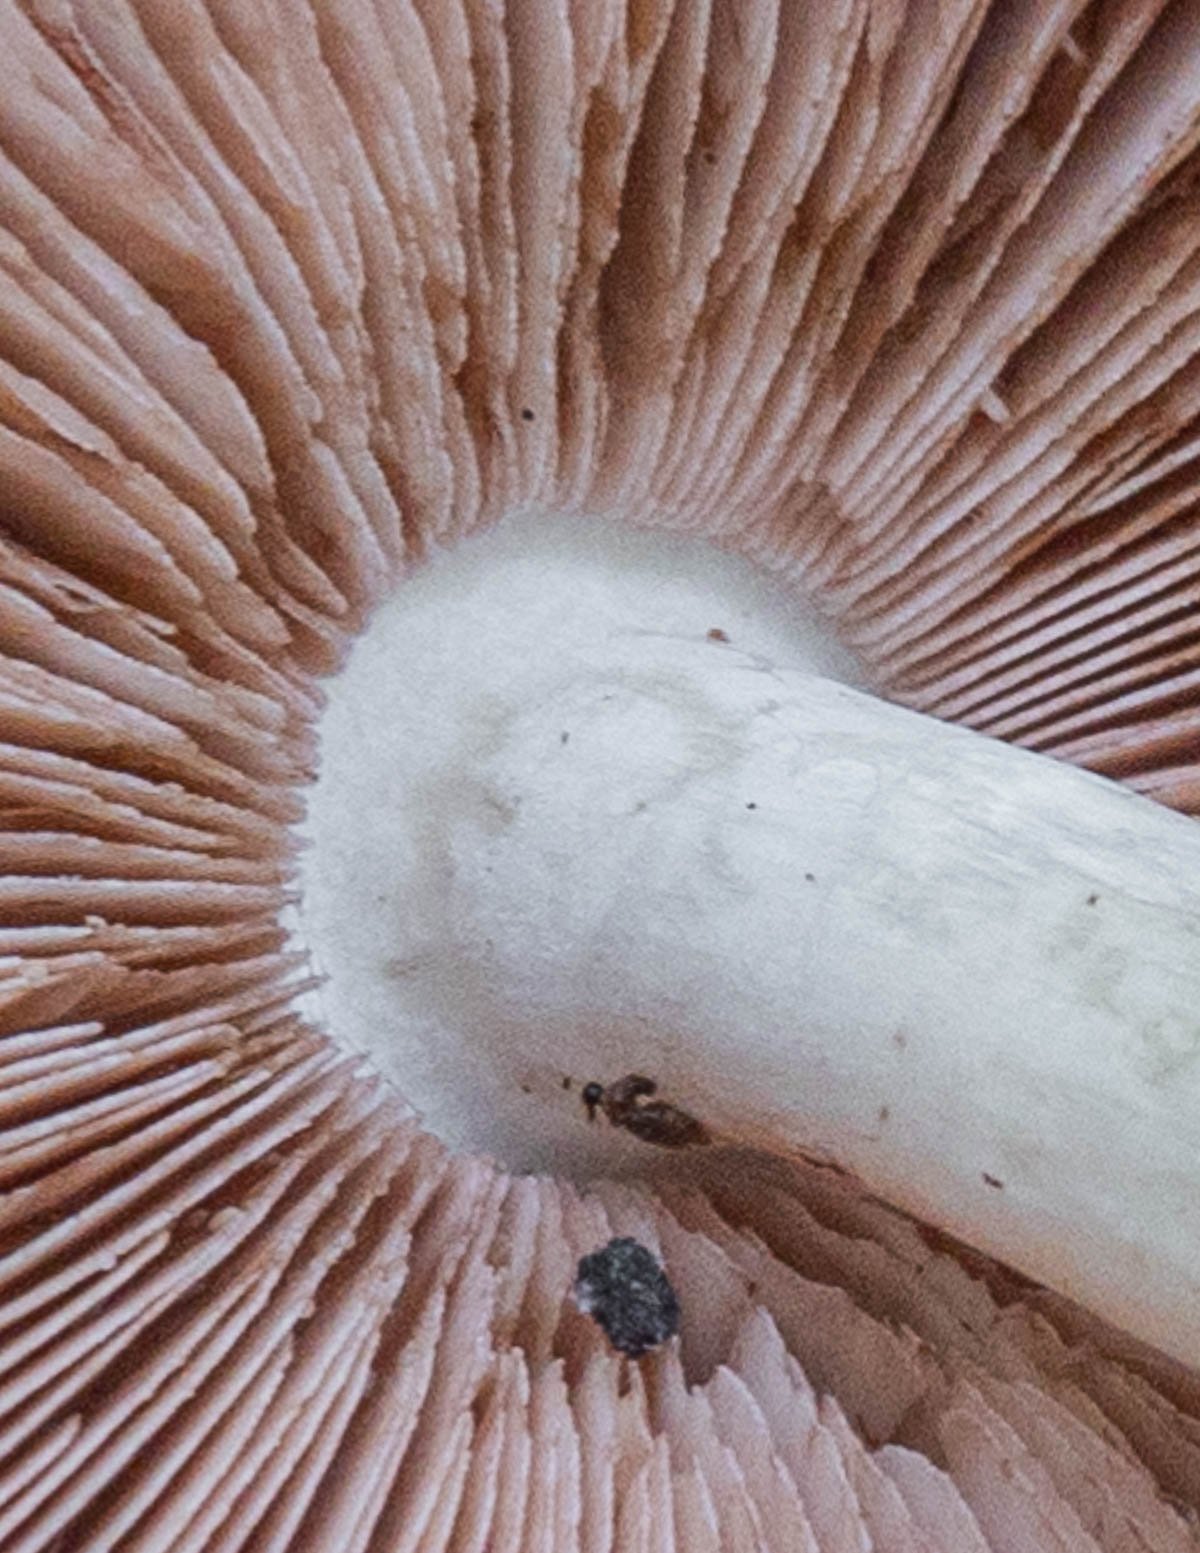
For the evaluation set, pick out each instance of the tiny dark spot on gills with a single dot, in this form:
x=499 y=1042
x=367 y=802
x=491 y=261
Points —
x=715 y=634
x=1093 y=900
x=993 y=1181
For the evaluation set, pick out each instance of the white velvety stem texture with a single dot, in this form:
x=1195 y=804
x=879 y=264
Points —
x=826 y=924
x=965 y=972
x=475 y=639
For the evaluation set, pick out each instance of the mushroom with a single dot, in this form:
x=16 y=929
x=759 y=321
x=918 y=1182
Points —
x=897 y=303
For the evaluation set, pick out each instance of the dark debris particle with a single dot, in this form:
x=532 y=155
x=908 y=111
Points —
x=993 y=1181
x=1093 y=900
x=526 y=414
x=715 y=634
x=625 y=1291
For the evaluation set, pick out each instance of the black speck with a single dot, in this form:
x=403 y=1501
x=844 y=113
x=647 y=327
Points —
x=526 y=414
x=710 y=157
x=884 y=1113
x=625 y=1291
x=752 y=806
x=566 y=1083
x=1092 y=900
x=992 y=1181
x=715 y=634
x=563 y=736
x=525 y=1089
x=812 y=878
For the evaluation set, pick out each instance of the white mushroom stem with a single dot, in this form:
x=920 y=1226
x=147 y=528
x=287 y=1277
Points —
x=969 y=974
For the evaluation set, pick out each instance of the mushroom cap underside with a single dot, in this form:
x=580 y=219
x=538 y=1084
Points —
x=899 y=301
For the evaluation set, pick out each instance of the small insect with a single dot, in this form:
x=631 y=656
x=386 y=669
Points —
x=627 y=1104
x=626 y=1292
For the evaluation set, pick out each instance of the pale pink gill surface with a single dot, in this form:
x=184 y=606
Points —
x=899 y=300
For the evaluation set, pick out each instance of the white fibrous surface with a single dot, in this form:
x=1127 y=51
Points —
x=821 y=924
x=434 y=693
